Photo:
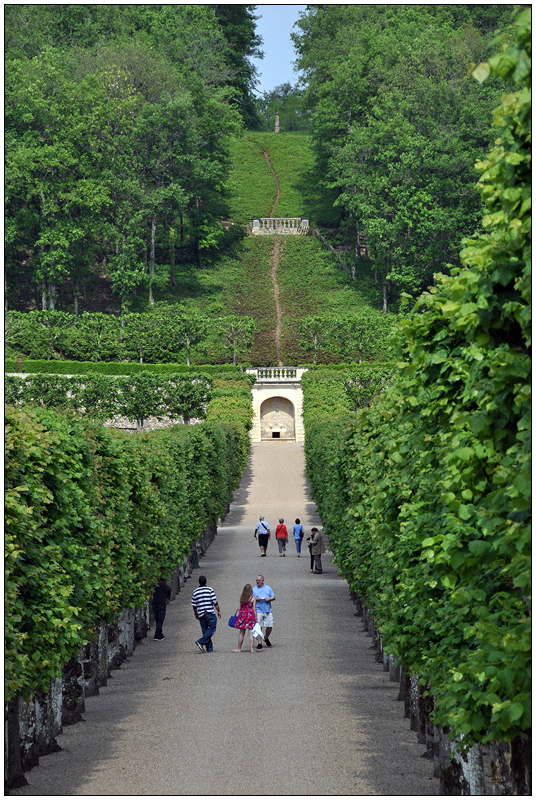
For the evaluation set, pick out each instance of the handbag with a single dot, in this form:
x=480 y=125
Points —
x=232 y=620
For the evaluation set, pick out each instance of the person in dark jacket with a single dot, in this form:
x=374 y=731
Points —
x=161 y=595
x=317 y=548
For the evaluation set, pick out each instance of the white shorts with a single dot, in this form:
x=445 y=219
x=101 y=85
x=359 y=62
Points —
x=265 y=619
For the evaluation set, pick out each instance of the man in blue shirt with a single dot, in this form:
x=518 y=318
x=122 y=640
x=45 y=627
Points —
x=264 y=596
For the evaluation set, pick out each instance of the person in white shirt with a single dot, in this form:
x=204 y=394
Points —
x=263 y=529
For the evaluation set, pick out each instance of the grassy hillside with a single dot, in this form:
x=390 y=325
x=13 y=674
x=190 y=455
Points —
x=311 y=282
x=236 y=279
x=251 y=185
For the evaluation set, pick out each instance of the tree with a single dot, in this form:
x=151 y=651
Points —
x=237 y=333
x=185 y=397
x=139 y=332
x=187 y=332
x=398 y=125
x=45 y=331
x=95 y=337
x=237 y=23
x=139 y=397
x=287 y=101
x=316 y=333
x=365 y=334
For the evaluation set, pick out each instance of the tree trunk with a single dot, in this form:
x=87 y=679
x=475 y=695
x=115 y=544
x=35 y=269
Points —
x=52 y=296
x=172 y=250
x=459 y=774
x=44 y=297
x=152 y=258
x=384 y=289
x=511 y=767
x=141 y=355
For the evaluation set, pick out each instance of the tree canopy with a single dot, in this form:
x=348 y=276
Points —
x=398 y=123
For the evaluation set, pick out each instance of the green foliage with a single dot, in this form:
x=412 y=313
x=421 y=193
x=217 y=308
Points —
x=426 y=493
x=136 y=397
x=398 y=125
x=91 y=368
x=115 y=136
x=315 y=294
x=94 y=518
x=287 y=101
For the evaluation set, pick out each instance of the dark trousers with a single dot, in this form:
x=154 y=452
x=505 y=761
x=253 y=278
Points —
x=310 y=546
x=159 y=616
x=318 y=563
x=208 y=625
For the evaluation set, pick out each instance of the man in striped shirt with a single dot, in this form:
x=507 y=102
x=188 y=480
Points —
x=203 y=603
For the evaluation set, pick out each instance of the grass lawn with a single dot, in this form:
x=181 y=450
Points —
x=251 y=184
x=311 y=282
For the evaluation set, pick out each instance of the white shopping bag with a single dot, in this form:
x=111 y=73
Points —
x=257 y=632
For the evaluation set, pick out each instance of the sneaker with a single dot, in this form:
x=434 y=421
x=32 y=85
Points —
x=201 y=647
x=267 y=642
x=263 y=555
x=159 y=638
x=259 y=646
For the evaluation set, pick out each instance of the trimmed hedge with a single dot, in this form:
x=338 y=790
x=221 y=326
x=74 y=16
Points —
x=94 y=519
x=426 y=494
x=110 y=368
x=136 y=397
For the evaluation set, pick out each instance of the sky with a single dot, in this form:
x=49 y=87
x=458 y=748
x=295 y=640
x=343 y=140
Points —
x=275 y=27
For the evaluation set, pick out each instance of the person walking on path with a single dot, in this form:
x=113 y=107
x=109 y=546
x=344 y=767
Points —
x=281 y=535
x=317 y=548
x=161 y=594
x=203 y=603
x=265 y=596
x=298 y=535
x=247 y=617
x=263 y=529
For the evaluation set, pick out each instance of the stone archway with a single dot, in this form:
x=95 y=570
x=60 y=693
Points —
x=278 y=419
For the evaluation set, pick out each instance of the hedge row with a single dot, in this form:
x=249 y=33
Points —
x=335 y=391
x=110 y=368
x=137 y=397
x=426 y=494
x=94 y=518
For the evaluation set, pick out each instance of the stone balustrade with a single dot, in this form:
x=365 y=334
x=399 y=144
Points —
x=277 y=374
x=280 y=225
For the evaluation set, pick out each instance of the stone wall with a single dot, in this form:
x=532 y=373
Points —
x=31 y=726
x=501 y=769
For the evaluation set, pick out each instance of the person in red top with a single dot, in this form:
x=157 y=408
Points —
x=281 y=535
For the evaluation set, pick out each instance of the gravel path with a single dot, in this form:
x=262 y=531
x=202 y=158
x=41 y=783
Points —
x=313 y=715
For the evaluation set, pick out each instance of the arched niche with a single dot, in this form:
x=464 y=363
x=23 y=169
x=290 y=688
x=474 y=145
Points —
x=278 y=419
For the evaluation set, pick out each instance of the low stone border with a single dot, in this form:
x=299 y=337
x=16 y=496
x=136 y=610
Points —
x=31 y=726
x=502 y=768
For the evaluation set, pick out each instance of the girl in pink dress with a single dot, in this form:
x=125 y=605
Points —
x=247 y=617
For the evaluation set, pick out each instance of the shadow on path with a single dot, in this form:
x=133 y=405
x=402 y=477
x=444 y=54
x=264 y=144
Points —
x=313 y=715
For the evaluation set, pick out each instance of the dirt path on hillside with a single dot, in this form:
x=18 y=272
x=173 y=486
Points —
x=274 y=260
x=276 y=183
